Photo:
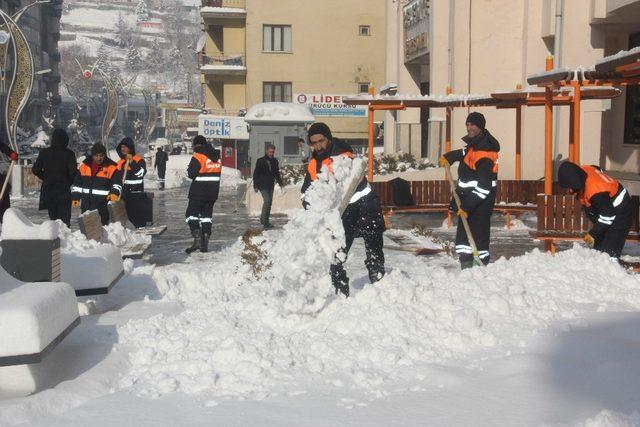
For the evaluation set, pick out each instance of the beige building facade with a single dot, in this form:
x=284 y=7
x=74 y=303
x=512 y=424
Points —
x=484 y=46
x=301 y=51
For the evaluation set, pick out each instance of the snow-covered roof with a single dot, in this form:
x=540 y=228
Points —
x=411 y=100
x=279 y=112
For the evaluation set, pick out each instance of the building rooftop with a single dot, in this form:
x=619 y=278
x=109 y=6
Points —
x=279 y=112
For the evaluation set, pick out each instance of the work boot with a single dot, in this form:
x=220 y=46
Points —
x=204 y=242
x=196 y=241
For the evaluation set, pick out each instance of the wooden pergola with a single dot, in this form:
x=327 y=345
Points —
x=622 y=69
x=516 y=99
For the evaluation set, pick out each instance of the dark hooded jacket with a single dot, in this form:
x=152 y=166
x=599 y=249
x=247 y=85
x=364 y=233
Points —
x=205 y=170
x=602 y=208
x=133 y=181
x=478 y=170
x=56 y=166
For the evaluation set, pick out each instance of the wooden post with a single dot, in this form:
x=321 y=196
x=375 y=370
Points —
x=447 y=138
x=577 y=98
x=572 y=115
x=519 y=142
x=548 y=133
x=371 y=132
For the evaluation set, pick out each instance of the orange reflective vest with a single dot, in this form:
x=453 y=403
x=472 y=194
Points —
x=207 y=166
x=597 y=182
x=312 y=167
x=472 y=157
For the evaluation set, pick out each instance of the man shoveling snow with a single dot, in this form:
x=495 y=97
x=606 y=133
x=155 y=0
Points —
x=362 y=216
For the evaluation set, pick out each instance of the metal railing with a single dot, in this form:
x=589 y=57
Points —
x=223 y=59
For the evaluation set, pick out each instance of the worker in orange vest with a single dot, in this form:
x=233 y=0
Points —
x=361 y=218
x=128 y=183
x=606 y=202
x=204 y=170
x=477 y=183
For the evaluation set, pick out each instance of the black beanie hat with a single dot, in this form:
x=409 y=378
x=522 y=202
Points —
x=477 y=119
x=98 y=148
x=319 y=129
x=199 y=140
x=59 y=138
x=571 y=176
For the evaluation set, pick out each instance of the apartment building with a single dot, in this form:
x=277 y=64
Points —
x=302 y=51
x=484 y=46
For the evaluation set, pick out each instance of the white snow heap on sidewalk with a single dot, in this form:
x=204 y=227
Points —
x=120 y=236
x=16 y=226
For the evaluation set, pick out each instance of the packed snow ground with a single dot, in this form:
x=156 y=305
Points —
x=534 y=340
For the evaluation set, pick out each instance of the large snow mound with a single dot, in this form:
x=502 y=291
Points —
x=16 y=226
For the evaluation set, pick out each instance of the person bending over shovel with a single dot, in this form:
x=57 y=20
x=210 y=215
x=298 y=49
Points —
x=477 y=182
x=362 y=217
x=606 y=202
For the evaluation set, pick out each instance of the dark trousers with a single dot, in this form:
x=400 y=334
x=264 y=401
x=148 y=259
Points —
x=162 y=170
x=612 y=241
x=199 y=215
x=480 y=225
x=361 y=219
x=267 y=200
x=60 y=209
x=139 y=208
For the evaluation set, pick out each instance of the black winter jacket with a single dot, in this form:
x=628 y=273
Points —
x=477 y=174
x=205 y=170
x=161 y=160
x=266 y=173
x=134 y=179
x=56 y=166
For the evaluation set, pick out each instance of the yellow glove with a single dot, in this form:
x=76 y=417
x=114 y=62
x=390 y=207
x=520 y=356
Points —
x=462 y=213
x=113 y=197
x=75 y=203
x=442 y=161
x=588 y=239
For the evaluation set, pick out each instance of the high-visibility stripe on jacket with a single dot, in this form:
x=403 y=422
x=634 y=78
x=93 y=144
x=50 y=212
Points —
x=599 y=182
x=87 y=185
x=205 y=170
x=134 y=179
x=313 y=168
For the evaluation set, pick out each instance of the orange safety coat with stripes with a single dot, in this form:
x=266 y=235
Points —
x=205 y=170
x=312 y=167
x=473 y=156
x=597 y=182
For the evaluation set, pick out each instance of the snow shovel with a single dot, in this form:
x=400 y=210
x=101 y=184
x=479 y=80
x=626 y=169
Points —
x=465 y=223
x=7 y=178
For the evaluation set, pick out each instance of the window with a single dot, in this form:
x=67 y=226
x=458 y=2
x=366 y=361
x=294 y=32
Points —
x=276 y=92
x=365 y=30
x=276 y=38
x=363 y=87
x=291 y=146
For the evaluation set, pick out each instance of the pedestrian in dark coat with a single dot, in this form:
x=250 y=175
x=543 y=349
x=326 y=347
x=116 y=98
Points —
x=265 y=175
x=477 y=183
x=128 y=184
x=5 y=203
x=161 y=165
x=205 y=170
x=606 y=202
x=56 y=166
x=362 y=217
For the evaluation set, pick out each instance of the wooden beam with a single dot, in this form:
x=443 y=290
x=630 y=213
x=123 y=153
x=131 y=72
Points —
x=371 y=132
x=548 y=135
x=577 y=97
x=519 y=142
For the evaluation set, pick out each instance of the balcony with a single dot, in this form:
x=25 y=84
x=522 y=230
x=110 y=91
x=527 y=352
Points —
x=223 y=9
x=220 y=65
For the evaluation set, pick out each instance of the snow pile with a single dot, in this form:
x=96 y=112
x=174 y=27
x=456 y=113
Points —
x=121 y=236
x=16 y=226
x=245 y=338
x=176 y=174
x=279 y=112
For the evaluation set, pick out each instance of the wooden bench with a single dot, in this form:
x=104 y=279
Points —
x=512 y=197
x=562 y=218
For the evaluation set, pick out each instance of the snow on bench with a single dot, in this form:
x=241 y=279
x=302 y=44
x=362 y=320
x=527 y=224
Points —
x=34 y=318
x=131 y=244
x=90 y=267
